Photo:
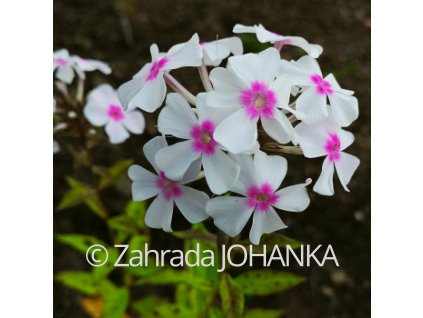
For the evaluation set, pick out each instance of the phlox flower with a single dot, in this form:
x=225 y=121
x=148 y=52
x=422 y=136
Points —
x=89 y=65
x=258 y=184
x=216 y=51
x=168 y=191
x=147 y=89
x=104 y=109
x=326 y=138
x=265 y=36
x=312 y=102
x=178 y=119
x=251 y=87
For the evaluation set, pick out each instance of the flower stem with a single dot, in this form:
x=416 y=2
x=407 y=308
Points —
x=204 y=75
x=277 y=148
x=80 y=91
x=179 y=88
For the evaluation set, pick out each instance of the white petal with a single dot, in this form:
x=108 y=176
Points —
x=230 y=214
x=215 y=114
x=151 y=148
x=237 y=133
x=264 y=35
x=298 y=74
x=88 y=65
x=192 y=204
x=134 y=122
x=279 y=127
x=65 y=74
x=282 y=87
x=270 y=169
x=56 y=147
x=225 y=81
x=346 y=138
x=214 y=53
x=335 y=85
x=265 y=223
x=151 y=95
x=174 y=160
x=144 y=184
x=344 y=108
x=311 y=139
x=294 y=198
x=96 y=112
x=345 y=168
x=310 y=64
x=159 y=214
x=188 y=54
x=177 y=117
x=314 y=50
x=192 y=173
x=247 y=176
x=312 y=105
x=127 y=91
x=116 y=132
x=240 y=28
x=324 y=185
x=221 y=172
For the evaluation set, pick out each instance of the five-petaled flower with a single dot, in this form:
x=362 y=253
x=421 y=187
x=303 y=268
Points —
x=168 y=191
x=306 y=74
x=178 y=119
x=147 y=89
x=258 y=183
x=328 y=139
x=104 y=109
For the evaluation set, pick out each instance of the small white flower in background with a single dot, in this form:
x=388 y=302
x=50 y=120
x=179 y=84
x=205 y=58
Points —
x=265 y=36
x=312 y=102
x=178 y=119
x=147 y=89
x=258 y=183
x=216 y=51
x=146 y=185
x=328 y=139
x=251 y=87
x=56 y=147
x=104 y=109
x=66 y=66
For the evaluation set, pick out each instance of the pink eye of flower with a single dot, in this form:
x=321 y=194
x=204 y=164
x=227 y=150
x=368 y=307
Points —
x=156 y=67
x=322 y=87
x=259 y=100
x=115 y=112
x=169 y=188
x=333 y=147
x=60 y=61
x=261 y=197
x=202 y=135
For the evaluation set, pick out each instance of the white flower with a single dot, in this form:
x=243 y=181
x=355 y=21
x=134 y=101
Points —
x=251 y=87
x=146 y=185
x=312 y=103
x=216 y=51
x=258 y=184
x=56 y=147
x=265 y=36
x=147 y=89
x=66 y=66
x=328 y=139
x=104 y=109
x=178 y=119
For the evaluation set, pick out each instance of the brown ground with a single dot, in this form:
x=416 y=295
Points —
x=94 y=29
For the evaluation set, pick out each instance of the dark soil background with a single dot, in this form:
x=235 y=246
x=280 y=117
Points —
x=120 y=32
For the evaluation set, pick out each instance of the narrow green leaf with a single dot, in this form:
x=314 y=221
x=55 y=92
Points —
x=264 y=313
x=232 y=297
x=115 y=303
x=101 y=272
x=146 y=304
x=82 y=282
x=265 y=282
x=122 y=223
x=79 y=242
x=114 y=173
x=136 y=212
x=167 y=310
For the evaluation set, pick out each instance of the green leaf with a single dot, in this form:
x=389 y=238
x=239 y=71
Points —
x=168 y=310
x=146 y=304
x=171 y=276
x=114 y=173
x=232 y=297
x=136 y=212
x=194 y=234
x=273 y=239
x=115 y=304
x=123 y=224
x=79 y=242
x=265 y=282
x=82 y=282
x=264 y=313
x=101 y=272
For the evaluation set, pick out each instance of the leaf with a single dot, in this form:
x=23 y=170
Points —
x=146 y=304
x=264 y=313
x=136 y=212
x=114 y=173
x=115 y=303
x=82 y=282
x=272 y=240
x=79 y=242
x=265 y=282
x=232 y=297
x=167 y=310
x=101 y=272
x=201 y=235
x=122 y=223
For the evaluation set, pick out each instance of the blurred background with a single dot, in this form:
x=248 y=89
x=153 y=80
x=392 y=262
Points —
x=120 y=32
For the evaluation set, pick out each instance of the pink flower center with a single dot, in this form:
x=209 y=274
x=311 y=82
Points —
x=202 y=135
x=115 y=112
x=156 y=67
x=169 y=188
x=333 y=147
x=259 y=100
x=60 y=61
x=322 y=87
x=261 y=197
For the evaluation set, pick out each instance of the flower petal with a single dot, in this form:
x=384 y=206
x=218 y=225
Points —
x=186 y=54
x=192 y=173
x=311 y=139
x=312 y=105
x=134 y=122
x=221 y=172
x=279 y=127
x=247 y=176
x=225 y=81
x=230 y=214
x=344 y=108
x=116 y=132
x=294 y=198
x=151 y=148
x=127 y=91
x=192 y=204
x=65 y=74
x=151 y=95
x=144 y=184
x=345 y=168
x=270 y=169
x=324 y=185
x=265 y=223
x=159 y=214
